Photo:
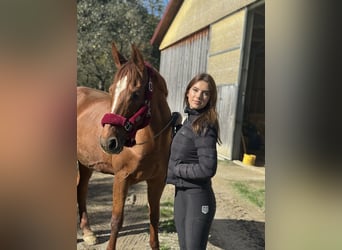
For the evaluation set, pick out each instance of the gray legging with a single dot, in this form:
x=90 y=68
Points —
x=194 y=211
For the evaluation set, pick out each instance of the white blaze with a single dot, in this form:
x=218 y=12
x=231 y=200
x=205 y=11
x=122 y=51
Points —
x=120 y=86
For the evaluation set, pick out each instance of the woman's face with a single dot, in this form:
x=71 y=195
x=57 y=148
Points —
x=198 y=95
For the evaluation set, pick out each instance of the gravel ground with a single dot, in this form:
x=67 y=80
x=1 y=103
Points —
x=238 y=224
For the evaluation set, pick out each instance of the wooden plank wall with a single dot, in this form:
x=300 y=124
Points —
x=180 y=63
x=216 y=49
x=224 y=64
x=226 y=108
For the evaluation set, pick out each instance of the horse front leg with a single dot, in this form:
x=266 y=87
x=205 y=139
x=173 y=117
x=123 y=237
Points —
x=155 y=189
x=82 y=192
x=120 y=189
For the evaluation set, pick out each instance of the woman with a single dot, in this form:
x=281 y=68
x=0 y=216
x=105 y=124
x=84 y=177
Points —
x=193 y=162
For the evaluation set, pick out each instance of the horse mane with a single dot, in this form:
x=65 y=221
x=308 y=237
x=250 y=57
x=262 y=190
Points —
x=130 y=70
x=160 y=80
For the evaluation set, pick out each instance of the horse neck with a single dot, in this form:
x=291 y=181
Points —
x=159 y=107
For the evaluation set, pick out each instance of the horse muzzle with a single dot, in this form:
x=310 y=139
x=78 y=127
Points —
x=111 y=145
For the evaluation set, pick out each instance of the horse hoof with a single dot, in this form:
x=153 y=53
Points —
x=90 y=239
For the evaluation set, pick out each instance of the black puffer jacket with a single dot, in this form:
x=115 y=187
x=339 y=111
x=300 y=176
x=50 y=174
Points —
x=193 y=158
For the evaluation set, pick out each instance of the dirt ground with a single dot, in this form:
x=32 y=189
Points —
x=238 y=224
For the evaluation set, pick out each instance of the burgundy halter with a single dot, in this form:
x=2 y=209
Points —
x=142 y=116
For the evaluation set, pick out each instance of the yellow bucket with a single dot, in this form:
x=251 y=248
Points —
x=248 y=159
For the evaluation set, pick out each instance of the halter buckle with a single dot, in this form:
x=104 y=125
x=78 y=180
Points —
x=150 y=86
x=128 y=126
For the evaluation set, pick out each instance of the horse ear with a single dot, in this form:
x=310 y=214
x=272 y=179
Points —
x=137 y=58
x=110 y=90
x=118 y=58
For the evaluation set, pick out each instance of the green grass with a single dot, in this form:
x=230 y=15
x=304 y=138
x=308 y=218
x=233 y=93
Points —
x=163 y=247
x=256 y=196
x=167 y=226
x=166 y=214
x=166 y=209
x=167 y=203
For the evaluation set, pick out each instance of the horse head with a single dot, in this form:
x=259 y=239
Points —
x=131 y=92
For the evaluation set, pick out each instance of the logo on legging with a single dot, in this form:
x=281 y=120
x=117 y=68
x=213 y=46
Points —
x=205 y=209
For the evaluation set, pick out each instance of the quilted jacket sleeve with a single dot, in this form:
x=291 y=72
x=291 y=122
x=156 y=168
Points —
x=206 y=166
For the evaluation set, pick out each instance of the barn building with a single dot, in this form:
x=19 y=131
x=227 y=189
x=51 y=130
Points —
x=227 y=40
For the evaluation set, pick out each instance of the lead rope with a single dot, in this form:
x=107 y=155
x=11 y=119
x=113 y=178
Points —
x=173 y=118
x=141 y=143
x=158 y=134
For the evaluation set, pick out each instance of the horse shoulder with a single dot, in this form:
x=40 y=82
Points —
x=88 y=98
x=91 y=105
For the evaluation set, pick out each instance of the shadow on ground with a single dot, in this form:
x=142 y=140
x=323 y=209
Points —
x=238 y=234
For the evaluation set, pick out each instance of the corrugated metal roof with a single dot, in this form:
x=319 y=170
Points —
x=167 y=18
x=185 y=17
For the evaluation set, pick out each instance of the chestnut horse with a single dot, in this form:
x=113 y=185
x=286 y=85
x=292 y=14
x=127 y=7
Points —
x=127 y=133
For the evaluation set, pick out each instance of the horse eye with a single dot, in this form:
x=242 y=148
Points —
x=135 y=95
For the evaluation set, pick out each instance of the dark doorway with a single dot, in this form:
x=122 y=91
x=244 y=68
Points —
x=253 y=125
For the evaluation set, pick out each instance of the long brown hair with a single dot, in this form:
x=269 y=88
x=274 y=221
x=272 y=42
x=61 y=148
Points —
x=209 y=117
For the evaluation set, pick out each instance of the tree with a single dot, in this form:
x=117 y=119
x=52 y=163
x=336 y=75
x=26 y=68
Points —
x=101 y=22
x=154 y=7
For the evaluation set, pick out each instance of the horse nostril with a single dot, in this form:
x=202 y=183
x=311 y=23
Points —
x=112 y=143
